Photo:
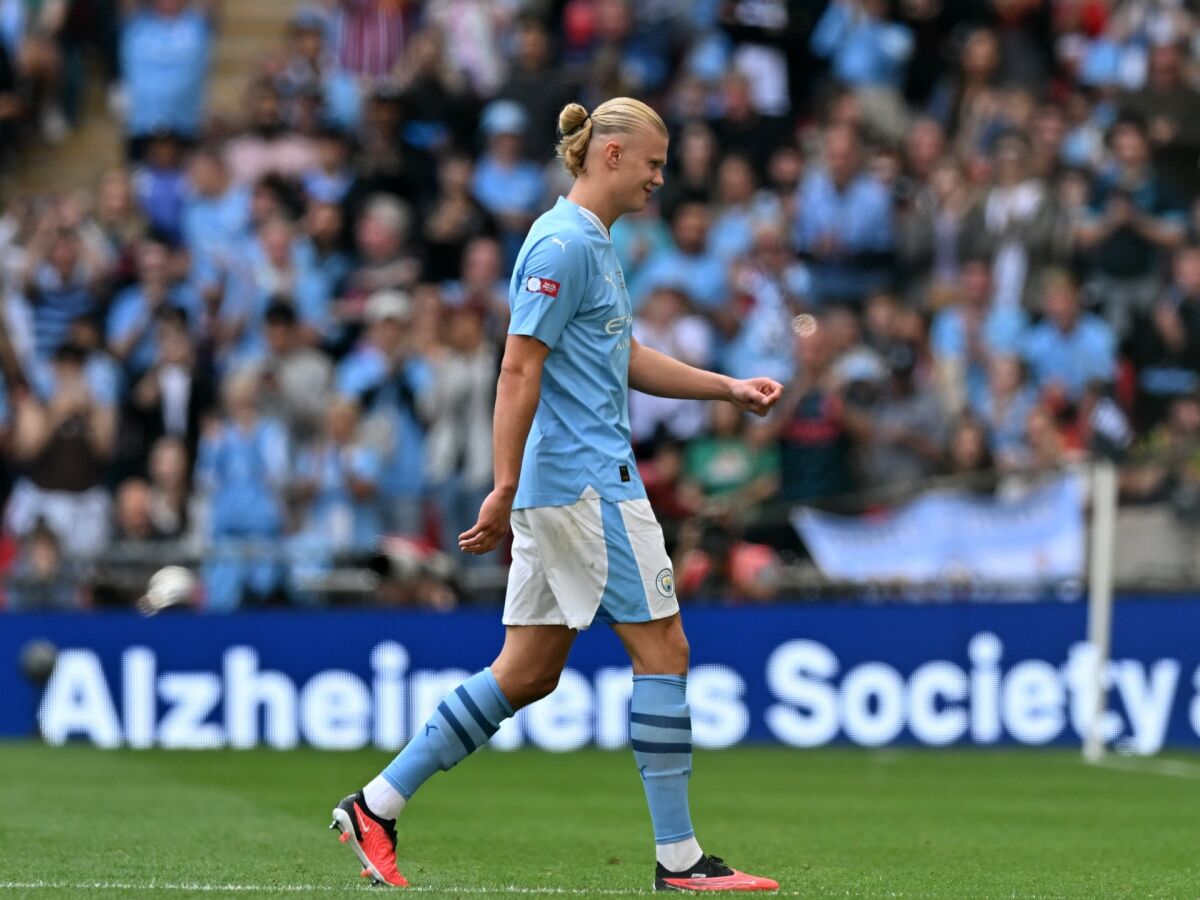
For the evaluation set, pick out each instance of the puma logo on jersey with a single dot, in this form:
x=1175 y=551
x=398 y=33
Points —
x=561 y=243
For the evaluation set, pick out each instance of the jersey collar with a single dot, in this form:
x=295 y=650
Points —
x=591 y=217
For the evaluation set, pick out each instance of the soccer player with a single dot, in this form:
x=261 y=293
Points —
x=586 y=545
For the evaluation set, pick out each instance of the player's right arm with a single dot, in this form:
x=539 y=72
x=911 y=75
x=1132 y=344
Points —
x=517 y=394
x=546 y=294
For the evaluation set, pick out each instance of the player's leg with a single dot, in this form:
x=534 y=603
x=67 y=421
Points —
x=526 y=670
x=535 y=650
x=639 y=599
x=660 y=732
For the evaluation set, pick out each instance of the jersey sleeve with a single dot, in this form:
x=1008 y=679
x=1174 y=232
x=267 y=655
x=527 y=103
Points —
x=548 y=289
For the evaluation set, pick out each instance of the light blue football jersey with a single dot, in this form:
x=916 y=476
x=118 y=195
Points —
x=568 y=291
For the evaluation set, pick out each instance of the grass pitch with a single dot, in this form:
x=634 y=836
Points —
x=830 y=823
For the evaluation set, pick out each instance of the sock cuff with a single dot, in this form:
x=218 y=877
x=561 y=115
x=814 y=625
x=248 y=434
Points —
x=499 y=694
x=676 y=680
x=402 y=790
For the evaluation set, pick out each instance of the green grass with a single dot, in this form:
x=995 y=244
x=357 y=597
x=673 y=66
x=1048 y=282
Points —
x=829 y=823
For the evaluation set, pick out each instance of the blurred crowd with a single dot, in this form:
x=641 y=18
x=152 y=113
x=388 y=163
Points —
x=965 y=235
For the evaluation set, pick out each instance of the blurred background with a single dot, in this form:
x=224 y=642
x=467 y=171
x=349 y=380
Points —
x=255 y=263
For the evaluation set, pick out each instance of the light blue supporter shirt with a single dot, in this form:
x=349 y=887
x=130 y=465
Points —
x=568 y=291
x=164 y=64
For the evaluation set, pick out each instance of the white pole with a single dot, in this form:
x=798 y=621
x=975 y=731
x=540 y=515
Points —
x=1100 y=598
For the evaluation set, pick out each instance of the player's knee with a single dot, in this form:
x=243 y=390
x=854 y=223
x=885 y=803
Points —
x=676 y=652
x=523 y=688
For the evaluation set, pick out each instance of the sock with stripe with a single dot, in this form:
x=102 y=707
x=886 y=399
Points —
x=660 y=730
x=464 y=721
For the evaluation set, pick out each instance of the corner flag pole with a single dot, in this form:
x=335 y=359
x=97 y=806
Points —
x=1100 y=598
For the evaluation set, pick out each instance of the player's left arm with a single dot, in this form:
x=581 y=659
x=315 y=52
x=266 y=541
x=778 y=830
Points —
x=656 y=373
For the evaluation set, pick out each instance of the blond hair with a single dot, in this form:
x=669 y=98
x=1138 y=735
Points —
x=620 y=115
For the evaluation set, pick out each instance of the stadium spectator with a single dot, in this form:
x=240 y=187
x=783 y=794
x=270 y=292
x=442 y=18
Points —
x=482 y=283
x=901 y=429
x=638 y=237
x=328 y=180
x=743 y=210
x=63 y=441
x=174 y=395
x=266 y=146
x=454 y=222
x=1135 y=217
x=666 y=323
x=1169 y=470
x=384 y=260
x=1166 y=341
x=172 y=505
x=12 y=108
x=337 y=485
x=843 y=223
x=688 y=265
x=165 y=49
x=160 y=184
x=869 y=53
x=535 y=83
x=242 y=468
x=1004 y=407
x=388 y=378
x=731 y=475
x=324 y=226
x=929 y=234
x=309 y=67
x=369 y=35
x=1069 y=347
x=506 y=184
x=1013 y=224
x=968 y=459
x=282 y=268
x=713 y=562
x=691 y=179
x=757 y=322
x=808 y=426
x=60 y=283
x=43 y=579
x=742 y=130
x=216 y=221
x=135 y=310
x=1167 y=103
x=966 y=336
x=439 y=106
x=294 y=378
x=133 y=520
x=458 y=410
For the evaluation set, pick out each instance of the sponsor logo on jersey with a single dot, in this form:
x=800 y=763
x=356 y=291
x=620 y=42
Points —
x=536 y=285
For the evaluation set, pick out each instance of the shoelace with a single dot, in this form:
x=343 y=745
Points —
x=716 y=866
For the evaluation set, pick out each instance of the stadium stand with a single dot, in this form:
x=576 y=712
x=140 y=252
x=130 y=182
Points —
x=255 y=264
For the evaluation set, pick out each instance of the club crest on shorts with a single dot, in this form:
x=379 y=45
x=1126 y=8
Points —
x=536 y=285
x=665 y=582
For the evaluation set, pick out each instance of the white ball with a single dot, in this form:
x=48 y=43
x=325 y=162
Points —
x=169 y=586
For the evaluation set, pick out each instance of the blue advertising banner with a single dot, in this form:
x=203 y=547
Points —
x=1037 y=537
x=802 y=675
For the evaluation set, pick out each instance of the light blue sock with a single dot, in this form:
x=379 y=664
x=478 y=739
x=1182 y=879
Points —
x=465 y=720
x=660 y=730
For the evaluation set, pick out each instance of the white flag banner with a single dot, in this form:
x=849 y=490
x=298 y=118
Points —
x=1035 y=538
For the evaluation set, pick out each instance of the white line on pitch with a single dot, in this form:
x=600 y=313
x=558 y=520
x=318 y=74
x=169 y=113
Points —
x=314 y=888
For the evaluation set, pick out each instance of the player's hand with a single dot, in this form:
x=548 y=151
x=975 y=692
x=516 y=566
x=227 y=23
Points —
x=756 y=395
x=491 y=527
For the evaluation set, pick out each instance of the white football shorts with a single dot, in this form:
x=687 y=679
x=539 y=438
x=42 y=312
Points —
x=594 y=559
